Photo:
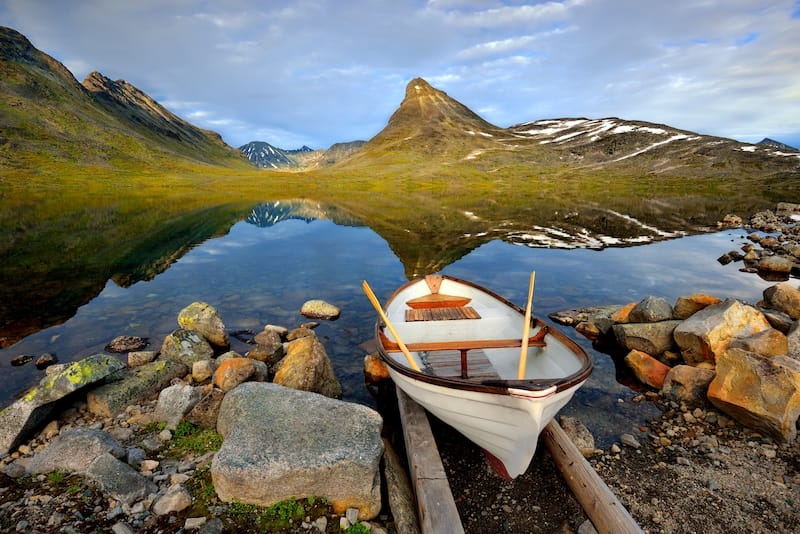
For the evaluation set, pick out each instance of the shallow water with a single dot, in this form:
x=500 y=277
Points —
x=259 y=275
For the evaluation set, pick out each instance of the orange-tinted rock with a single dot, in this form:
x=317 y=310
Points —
x=647 y=369
x=233 y=372
x=374 y=369
x=687 y=306
x=621 y=316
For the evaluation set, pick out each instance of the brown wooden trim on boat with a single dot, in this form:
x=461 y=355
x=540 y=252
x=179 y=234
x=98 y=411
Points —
x=467 y=344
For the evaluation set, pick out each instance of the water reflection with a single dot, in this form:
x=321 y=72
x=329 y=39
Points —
x=257 y=275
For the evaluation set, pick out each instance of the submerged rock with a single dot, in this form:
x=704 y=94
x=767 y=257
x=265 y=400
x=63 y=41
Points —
x=319 y=309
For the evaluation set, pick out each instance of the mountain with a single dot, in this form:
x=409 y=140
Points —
x=265 y=155
x=767 y=142
x=430 y=129
x=49 y=119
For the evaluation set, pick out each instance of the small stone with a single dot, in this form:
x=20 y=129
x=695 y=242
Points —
x=126 y=344
x=45 y=360
x=194 y=523
x=630 y=441
x=22 y=359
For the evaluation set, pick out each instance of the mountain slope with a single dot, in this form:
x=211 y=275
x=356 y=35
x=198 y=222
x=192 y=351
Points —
x=50 y=119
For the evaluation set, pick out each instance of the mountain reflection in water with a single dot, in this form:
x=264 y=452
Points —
x=262 y=273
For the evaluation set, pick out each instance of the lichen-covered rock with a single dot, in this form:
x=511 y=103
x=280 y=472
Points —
x=186 y=346
x=709 y=332
x=319 y=309
x=307 y=367
x=26 y=414
x=760 y=392
x=204 y=318
x=132 y=386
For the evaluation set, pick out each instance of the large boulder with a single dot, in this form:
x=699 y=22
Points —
x=119 y=480
x=204 y=318
x=651 y=310
x=687 y=384
x=757 y=391
x=688 y=305
x=768 y=342
x=74 y=451
x=307 y=367
x=709 y=332
x=186 y=346
x=652 y=338
x=23 y=417
x=281 y=443
x=132 y=386
x=783 y=297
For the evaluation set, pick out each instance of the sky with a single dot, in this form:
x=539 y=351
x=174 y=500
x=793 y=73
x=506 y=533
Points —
x=317 y=72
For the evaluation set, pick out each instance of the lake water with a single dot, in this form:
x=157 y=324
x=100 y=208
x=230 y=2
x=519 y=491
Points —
x=257 y=275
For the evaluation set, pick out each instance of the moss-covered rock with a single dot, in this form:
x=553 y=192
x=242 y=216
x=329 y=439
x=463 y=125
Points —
x=25 y=415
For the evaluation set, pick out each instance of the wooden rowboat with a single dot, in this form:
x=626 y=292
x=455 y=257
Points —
x=466 y=342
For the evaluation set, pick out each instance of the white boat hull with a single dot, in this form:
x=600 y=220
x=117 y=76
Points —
x=466 y=367
x=507 y=426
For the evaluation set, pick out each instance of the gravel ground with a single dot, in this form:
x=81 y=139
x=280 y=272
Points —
x=692 y=471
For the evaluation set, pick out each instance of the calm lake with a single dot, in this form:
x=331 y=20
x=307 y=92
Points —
x=262 y=271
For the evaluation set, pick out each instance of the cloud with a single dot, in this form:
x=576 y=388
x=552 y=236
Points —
x=317 y=72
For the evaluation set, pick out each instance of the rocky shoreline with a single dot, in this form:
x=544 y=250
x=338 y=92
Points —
x=141 y=458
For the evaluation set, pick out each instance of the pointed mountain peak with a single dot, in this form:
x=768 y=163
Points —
x=429 y=120
x=419 y=87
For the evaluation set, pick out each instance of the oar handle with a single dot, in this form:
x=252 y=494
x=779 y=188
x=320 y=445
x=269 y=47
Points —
x=378 y=308
x=523 y=353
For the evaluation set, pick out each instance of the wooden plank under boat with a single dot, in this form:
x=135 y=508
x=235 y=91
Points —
x=468 y=367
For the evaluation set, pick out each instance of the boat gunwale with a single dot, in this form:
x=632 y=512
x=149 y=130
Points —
x=493 y=386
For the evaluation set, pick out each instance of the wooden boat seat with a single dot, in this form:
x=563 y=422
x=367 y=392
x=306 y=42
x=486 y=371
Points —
x=536 y=340
x=438 y=300
x=448 y=364
x=441 y=314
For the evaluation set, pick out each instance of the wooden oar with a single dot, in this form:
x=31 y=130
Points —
x=378 y=308
x=523 y=353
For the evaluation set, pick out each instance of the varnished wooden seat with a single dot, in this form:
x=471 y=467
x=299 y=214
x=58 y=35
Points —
x=441 y=314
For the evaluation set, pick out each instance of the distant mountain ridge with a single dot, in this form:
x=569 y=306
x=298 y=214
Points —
x=264 y=155
x=776 y=144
